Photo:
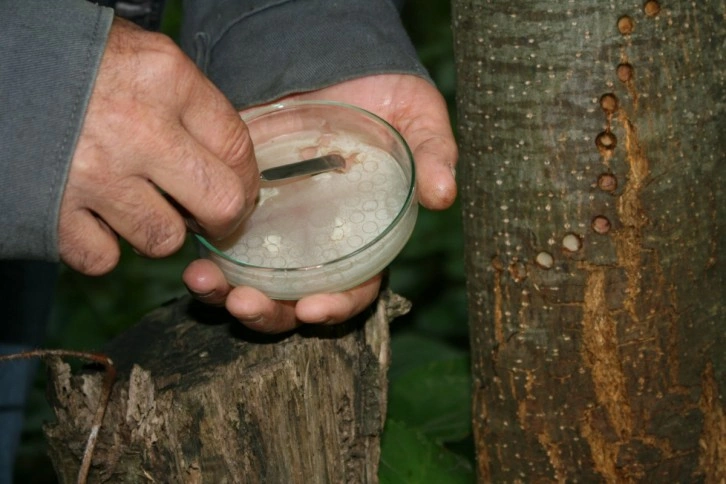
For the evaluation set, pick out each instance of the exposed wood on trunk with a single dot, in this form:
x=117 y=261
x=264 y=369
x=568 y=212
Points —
x=200 y=399
x=592 y=168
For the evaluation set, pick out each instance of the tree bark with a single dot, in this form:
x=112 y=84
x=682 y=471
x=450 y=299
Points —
x=200 y=399
x=592 y=168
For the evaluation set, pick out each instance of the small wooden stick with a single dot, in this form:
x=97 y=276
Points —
x=108 y=380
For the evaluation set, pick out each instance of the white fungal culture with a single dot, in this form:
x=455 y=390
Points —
x=327 y=232
x=313 y=220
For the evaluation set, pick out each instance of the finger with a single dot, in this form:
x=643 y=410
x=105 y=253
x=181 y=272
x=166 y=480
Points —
x=216 y=197
x=428 y=133
x=337 y=307
x=260 y=313
x=435 y=159
x=138 y=213
x=211 y=120
x=86 y=243
x=214 y=123
x=206 y=282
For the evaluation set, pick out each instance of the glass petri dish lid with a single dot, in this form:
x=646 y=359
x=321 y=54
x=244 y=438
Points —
x=326 y=232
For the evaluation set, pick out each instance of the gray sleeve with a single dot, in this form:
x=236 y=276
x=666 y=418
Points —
x=50 y=54
x=258 y=50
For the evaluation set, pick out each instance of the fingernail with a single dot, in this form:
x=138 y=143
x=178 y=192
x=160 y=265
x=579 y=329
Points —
x=209 y=298
x=193 y=226
x=199 y=294
x=255 y=320
x=323 y=321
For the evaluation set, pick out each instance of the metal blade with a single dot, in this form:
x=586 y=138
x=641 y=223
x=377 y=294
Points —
x=313 y=166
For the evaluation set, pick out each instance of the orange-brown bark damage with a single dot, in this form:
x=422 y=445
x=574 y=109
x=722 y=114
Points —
x=629 y=239
x=554 y=455
x=600 y=354
x=603 y=452
x=712 y=458
x=479 y=406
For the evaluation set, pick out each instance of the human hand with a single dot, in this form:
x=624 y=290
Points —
x=154 y=122
x=418 y=111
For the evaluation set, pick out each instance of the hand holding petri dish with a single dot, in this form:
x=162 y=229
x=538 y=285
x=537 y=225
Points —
x=330 y=231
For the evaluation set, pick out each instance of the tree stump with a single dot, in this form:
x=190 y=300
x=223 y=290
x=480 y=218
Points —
x=199 y=398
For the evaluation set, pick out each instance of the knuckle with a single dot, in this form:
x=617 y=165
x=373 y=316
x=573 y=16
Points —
x=231 y=203
x=166 y=48
x=240 y=197
x=164 y=61
x=90 y=259
x=228 y=198
x=238 y=152
x=162 y=235
x=443 y=147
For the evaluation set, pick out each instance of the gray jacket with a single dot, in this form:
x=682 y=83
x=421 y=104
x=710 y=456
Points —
x=254 y=50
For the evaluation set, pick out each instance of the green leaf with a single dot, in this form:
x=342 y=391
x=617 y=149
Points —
x=445 y=317
x=409 y=457
x=435 y=234
x=434 y=399
x=411 y=349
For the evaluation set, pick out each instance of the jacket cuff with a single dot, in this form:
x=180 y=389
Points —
x=51 y=52
x=259 y=51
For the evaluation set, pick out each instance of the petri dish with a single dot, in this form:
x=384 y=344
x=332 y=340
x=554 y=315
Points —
x=327 y=232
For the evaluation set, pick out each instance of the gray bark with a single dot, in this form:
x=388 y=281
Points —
x=592 y=168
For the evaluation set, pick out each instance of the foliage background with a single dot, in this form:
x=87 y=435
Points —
x=428 y=431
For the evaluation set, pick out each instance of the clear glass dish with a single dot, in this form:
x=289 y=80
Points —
x=327 y=232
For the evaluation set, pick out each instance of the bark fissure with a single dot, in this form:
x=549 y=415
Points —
x=601 y=355
x=712 y=457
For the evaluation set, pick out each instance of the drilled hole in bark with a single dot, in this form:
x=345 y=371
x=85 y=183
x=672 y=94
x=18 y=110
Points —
x=601 y=224
x=651 y=8
x=518 y=271
x=606 y=141
x=571 y=242
x=609 y=103
x=625 y=72
x=626 y=25
x=545 y=260
x=497 y=263
x=607 y=182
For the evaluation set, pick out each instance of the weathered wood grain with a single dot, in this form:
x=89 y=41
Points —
x=201 y=399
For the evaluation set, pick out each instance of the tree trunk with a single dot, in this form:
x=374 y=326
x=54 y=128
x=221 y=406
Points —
x=592 y=162
x=200 y=399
